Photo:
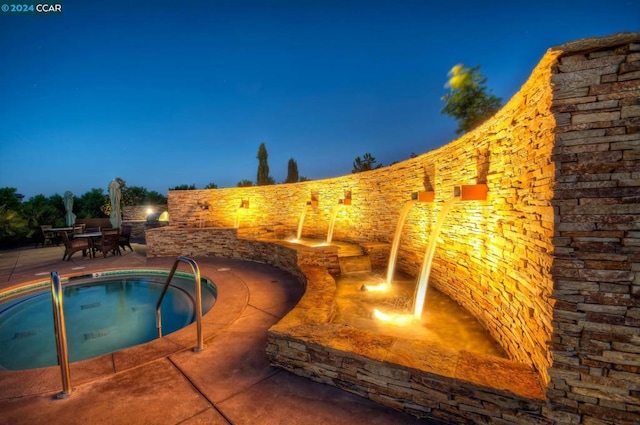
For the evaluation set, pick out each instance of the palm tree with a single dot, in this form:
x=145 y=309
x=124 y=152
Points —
x=364 y=164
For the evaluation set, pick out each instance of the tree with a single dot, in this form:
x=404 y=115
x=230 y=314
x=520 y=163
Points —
x=92 y=203
x=469 y=101
x=57 y=202
x=364 y=164
x=39 y=210
x=20 y=221
x=155 y=198
x=245 y=183
x=134 y=195
x=184 y=187
x=13 y=227
x=8 y=198
x=211 y=185
x=263 y=167
x=292 y=172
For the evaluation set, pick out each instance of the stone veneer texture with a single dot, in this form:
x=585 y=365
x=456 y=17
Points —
x=136 y=217
x=549 y=263
x=595 y=346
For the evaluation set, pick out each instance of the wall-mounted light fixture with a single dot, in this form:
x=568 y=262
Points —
x=347 y=197
x=471 y=192
x=203 y=205
x=423 y=196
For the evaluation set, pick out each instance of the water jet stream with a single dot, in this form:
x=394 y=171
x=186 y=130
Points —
x=332 y=223
x=423 y=281
x=393 y=256
x=301 y=222
x=237 y=222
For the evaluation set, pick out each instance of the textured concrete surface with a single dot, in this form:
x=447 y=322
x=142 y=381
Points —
x=165 y=382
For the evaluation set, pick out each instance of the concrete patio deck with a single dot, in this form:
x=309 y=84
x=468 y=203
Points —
x=164 y=381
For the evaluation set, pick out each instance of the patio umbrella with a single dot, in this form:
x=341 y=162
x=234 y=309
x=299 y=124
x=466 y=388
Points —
x=70 y=217
x=115 y=195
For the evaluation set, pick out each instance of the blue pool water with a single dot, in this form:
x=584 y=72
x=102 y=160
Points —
x=103 y=314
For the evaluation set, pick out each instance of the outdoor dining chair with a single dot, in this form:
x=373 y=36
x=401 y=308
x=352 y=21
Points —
x=74 y=245
x=48 y=236
x=109 y=242
x=125 y=237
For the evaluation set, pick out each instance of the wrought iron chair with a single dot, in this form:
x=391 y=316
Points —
x=74 y=245
x=109 y=242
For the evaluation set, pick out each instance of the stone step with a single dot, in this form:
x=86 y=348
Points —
x=355 y=264
x=348 y=250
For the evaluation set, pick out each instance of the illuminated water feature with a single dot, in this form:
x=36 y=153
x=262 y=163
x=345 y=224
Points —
x=403 y=300
x=298 y=238
x=301 y=221
x=393 y=256
x=443 y=322
x=425 y=271
x=332 y=223
x=423 y=279
x=236 y=224
x=244 y=204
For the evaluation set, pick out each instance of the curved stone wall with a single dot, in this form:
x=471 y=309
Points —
x=493 y=256
x=545 y=263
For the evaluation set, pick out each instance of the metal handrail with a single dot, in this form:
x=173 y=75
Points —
x=61 y=335
x=196 y=273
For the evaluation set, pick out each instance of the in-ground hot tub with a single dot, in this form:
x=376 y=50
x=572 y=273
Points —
x=104 y=312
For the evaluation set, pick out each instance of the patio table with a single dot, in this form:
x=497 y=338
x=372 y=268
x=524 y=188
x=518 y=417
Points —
x=87 y=235
x=54 y=233
x=60 y=229
x=57 y=230
x=90 y=236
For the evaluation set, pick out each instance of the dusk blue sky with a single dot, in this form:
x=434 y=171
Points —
x=165 y=93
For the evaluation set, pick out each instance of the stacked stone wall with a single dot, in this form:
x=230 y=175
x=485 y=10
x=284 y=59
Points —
x=140 y=212
x=173 y=241
x=492 y=256
x=549 y=263
x=595 y=374
x=416 y=376
x=136 y=217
